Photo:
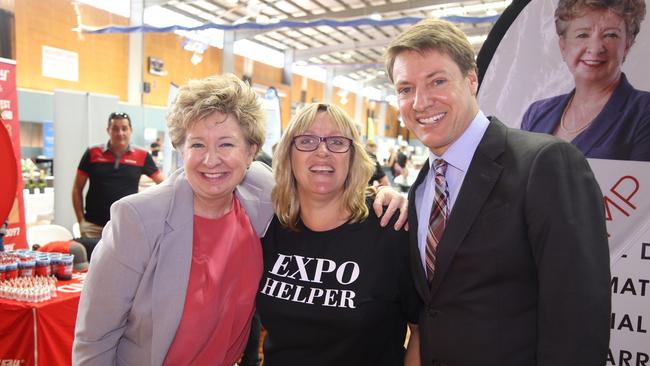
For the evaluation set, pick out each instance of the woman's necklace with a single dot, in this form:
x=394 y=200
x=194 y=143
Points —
x=574 y=131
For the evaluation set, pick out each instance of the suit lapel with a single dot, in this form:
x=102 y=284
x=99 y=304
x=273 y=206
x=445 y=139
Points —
x=481 y=176
x=418 y=271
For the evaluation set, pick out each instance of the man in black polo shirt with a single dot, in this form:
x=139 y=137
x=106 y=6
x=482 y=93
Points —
x=114 y=170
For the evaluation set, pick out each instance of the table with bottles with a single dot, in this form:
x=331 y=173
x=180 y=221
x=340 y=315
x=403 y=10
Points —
x=39 y=295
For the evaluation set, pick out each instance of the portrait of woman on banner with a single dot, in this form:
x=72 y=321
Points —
x=604 y=115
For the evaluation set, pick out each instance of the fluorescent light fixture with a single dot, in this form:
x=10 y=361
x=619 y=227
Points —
x=188 y=8
x=262 y=19
x=391 y=99
x=196 y=58
x=158 y=16
x=257 y=52
x=311 y=72
x=207 y=5
x=345 y=83
x=372 y=93
x=477 y=39
x=119 y=7
x=490 y=8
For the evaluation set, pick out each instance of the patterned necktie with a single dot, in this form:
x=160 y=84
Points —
x=438 y=218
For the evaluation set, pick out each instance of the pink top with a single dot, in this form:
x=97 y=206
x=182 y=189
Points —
x=220 y=299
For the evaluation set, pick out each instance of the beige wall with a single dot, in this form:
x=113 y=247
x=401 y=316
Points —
x=103 y=59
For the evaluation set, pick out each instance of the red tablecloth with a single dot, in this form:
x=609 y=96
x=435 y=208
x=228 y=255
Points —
x=40 y=333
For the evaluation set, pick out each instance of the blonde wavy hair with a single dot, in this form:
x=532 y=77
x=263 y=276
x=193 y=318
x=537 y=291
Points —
x=285 y=195
x=226 y=94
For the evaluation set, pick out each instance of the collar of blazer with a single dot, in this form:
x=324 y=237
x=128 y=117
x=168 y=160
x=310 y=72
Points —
x=480 y=178
x=254 y=193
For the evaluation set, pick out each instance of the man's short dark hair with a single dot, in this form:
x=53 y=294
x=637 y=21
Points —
x=119 y=115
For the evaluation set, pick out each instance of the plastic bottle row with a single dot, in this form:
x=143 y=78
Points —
x=32 y=289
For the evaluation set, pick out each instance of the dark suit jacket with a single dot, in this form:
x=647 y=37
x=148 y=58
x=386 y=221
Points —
x=522 y=272
x=621 y=131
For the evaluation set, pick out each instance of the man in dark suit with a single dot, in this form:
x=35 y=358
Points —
x=508 y=234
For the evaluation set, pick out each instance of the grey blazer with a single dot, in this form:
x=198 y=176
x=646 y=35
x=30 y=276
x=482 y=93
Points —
x=133 y=297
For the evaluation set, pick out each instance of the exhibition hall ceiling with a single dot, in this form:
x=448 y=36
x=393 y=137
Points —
x=351 y=35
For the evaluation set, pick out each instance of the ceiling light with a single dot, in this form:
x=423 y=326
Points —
x=477 y=39
x=489 y=8
x=206 y=5
x=196 y=58
x=376 y=16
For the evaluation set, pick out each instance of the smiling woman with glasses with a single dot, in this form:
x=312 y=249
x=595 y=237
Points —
x=332 y=275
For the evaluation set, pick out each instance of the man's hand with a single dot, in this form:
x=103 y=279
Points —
x=387 y=196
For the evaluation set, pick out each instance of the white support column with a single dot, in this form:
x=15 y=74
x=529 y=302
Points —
x=381 y=118
x=136 y=54
x=358 y=107
x=287 y=74
x=329 y=87
x=228 y=52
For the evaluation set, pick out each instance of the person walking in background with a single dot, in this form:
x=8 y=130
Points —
x=378 y=176
x=336 y=287
x=604 y=116
x=114 y=171
x=155 y=148
x=392 y=161
x=402 y=158
x=508 y=278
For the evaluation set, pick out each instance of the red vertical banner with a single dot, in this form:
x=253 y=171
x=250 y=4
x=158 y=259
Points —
x=11 y=192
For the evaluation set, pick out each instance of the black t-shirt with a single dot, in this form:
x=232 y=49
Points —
x=339 y=297
x=110 y=179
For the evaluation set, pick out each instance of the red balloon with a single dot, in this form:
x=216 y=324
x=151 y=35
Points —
x=9 y=173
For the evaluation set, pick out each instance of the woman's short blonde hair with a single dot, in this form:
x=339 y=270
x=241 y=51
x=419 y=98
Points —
x=433 y=34
x=631 y=11
x=226 y=94
x=285 y=195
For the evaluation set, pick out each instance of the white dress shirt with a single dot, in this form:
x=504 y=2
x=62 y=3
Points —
x=458 y=157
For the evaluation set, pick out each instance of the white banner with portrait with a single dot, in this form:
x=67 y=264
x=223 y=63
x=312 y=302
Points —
x=522 y=63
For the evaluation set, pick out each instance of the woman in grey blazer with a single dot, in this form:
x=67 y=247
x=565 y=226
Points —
x=174 y=278
x=160 y=273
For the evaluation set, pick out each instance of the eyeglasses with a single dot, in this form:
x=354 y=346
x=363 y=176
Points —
x=335 y=144
x=118 y=115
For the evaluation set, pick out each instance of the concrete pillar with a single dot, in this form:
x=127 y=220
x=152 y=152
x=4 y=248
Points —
x=136 y=54
x=228 y=54
x=287 y=78
x=381 y=118
x=358 y=108
x=329 y=87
